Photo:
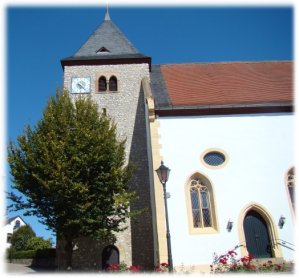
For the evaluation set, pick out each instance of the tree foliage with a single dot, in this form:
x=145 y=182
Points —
x=38 y=243
x=24 y=238
x=71 y=168
x=20 y=238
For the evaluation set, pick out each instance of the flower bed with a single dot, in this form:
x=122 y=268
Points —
x=122 y=267
x=230 y=263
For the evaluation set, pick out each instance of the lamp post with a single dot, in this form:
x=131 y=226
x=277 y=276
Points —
x=163 y=174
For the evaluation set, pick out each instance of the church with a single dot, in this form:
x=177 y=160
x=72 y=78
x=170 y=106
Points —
x=226 y=132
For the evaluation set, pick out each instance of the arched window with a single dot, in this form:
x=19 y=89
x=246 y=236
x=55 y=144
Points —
x=17 y=224
x=110 y=256
x=113 y=84
x=200 y=199
x=291 y=186
x=102 y=84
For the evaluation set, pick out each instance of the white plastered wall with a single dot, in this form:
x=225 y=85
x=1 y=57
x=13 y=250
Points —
x=260 y=151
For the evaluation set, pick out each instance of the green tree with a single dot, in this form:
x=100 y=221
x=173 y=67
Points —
x=38 y=243
x=21 y=237
x=70 y=169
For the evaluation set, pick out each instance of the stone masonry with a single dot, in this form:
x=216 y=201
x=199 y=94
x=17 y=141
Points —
x=126 y=108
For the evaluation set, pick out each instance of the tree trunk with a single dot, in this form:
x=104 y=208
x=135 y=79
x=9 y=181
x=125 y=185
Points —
x=69 y=253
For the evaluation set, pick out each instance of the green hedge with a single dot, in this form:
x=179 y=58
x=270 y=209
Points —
x=31 y=254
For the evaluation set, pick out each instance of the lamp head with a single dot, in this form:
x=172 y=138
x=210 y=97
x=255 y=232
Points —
x=163 y=173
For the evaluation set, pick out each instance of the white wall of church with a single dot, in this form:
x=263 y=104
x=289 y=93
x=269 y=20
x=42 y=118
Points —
x=260 y=151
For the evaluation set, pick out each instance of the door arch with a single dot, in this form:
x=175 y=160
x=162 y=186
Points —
x=267 y=220
x=257 y=235
x=110 y=255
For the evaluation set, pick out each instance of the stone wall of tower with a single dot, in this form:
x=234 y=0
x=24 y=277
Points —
x=120 y=105
x=126 y=107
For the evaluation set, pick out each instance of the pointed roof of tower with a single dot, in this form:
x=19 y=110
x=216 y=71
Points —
x=106 y=43
x=109 y=38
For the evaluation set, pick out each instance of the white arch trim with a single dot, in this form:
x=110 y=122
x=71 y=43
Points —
x=273 y=232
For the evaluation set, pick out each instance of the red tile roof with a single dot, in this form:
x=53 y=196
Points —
x=228 y=83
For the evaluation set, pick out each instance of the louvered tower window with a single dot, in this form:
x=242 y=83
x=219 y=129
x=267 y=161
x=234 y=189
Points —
x=103 y=50
x=102 y=84
x=113 y=84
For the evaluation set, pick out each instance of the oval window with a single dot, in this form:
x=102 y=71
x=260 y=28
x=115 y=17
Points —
x=214 y=158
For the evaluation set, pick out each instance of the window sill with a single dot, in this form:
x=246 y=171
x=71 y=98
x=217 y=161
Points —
x=200 y=231
x=107 y=92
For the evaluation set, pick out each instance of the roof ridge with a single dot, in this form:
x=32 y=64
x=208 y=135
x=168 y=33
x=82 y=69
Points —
x=8 y=220
x=226 y=62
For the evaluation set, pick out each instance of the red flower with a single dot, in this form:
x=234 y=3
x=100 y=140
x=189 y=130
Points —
x=223 y=261
x=113 y=267
x=232 y=252
x=250 y=257
x=164 y=264
x=234 y=266
x=244 y=260
x=134 y=268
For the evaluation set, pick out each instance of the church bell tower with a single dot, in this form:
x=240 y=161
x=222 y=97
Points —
x=111 y=70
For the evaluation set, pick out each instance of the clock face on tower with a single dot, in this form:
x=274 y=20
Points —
x=80 y=85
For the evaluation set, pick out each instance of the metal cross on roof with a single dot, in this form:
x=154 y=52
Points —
x=107 y=16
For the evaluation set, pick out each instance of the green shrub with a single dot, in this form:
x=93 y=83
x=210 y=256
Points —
x=28 y=254
x=31 y=254
x=20 y=238
x=37 y=243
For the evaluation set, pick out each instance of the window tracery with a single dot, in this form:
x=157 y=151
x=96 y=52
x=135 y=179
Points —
x=201 y=205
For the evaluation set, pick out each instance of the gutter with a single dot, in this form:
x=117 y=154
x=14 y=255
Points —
x=224 y=109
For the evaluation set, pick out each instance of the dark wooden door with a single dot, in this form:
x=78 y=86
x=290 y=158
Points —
x=110 y=255
x=257 y=236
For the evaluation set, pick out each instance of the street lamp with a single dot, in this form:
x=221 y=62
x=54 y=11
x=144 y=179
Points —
x=163 y=174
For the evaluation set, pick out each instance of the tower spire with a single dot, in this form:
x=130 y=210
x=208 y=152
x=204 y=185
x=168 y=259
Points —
x=107 y=16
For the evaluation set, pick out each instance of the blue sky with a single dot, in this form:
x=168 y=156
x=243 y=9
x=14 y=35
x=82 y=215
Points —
x=37 y=38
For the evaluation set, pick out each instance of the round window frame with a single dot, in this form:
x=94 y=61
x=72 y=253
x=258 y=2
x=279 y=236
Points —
x=215 y=150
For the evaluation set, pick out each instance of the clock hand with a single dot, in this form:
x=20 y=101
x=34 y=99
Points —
x=80 y=86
